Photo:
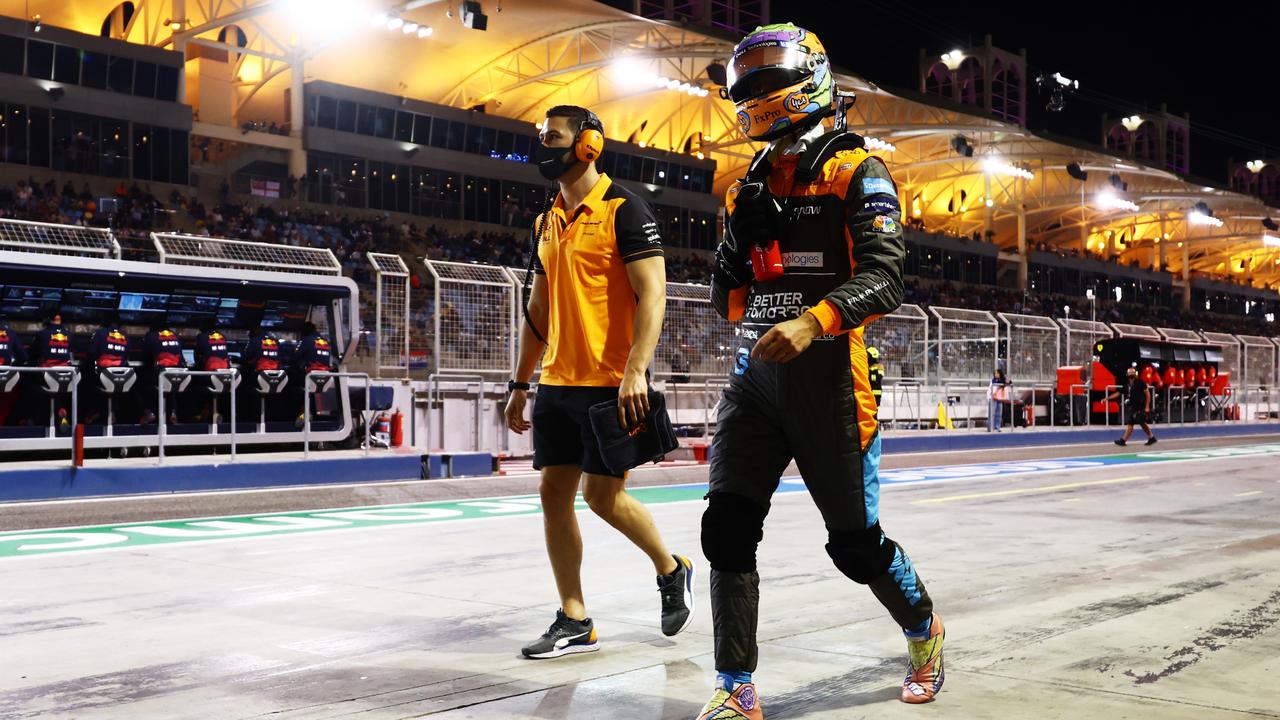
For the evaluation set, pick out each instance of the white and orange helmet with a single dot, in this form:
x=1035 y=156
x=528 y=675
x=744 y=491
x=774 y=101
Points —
x=779 y=81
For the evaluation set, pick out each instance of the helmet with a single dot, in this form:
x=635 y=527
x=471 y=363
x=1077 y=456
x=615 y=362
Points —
x=873 y=353
x=779 y=81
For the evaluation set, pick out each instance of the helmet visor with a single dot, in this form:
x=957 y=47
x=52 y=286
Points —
x=765 y=69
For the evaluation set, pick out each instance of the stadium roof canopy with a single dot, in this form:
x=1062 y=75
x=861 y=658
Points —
x=537 y=54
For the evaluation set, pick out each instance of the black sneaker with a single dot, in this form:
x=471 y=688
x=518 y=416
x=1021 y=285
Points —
x=677 y=597
x=1151 y=440
x=1121 y=443
x=565 y=636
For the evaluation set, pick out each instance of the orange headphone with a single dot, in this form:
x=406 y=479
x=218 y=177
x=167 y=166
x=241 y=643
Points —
x=589 y=143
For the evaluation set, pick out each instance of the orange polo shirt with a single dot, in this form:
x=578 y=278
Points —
x=592 y=310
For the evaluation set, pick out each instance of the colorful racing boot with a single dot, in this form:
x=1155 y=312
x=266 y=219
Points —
x=732 y=701
x=925 y=675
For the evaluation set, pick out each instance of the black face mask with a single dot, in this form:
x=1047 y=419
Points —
x=552 y=162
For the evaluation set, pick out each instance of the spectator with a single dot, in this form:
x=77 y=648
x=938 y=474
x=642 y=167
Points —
x=351 y=237
x=997 y=398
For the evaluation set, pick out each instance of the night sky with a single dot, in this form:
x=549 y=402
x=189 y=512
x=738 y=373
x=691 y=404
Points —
x=1219 y=66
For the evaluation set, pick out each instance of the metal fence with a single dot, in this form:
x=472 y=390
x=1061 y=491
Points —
x=52 y=238
x=200 y=250
x=469 y=319
x=967 y=344
x=1258 y=366
x=695 y=341
x=1179 y=335
x=391 y=316
x=518 y=277
x=1276 y=342
x=1230 y=353
x=1080 y=338
x=422 y=329
x=902 y=337
x=473 y=318
x=1141 y=332
x=1033 y=346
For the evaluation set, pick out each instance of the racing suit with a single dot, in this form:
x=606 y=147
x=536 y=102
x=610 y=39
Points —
x=843 y=257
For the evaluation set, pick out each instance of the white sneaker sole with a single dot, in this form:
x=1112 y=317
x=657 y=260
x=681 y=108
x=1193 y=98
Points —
x=688 y=601
x=566 y=650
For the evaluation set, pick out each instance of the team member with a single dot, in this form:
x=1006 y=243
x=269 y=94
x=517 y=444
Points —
x=12 y=354
x=161 y=349
x=211 y=349
x=1137 y=406
x=800 y=388
x=261 y=353
x=599 y=292
x=50 y=348
x=211 y=353
x=109 y=348
x=312 y=354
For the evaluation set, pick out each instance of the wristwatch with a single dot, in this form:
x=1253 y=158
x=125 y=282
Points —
x=516 y=385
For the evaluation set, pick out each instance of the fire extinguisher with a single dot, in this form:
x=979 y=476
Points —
x=382 y=429
x=397 y=429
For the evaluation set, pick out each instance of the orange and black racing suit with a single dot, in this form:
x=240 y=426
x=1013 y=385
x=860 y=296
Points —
x=843 y=256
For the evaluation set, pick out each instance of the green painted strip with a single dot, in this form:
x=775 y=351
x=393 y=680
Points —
x=26 y=543
x=36 y=542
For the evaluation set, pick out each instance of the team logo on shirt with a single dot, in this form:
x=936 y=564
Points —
x=58 y=339
x=773 y=307
x=167 y=335
x=878 y=186
x=216 y=337
x=4 y=336
x=115 y=336
x=802 y=210
x=651 y=234
x=321 y=343
x=802 y=259
x=270 y=343
x=882 y=205
x=884 y=224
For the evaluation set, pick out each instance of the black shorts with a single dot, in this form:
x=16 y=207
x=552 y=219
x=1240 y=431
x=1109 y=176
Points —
x=562 y=432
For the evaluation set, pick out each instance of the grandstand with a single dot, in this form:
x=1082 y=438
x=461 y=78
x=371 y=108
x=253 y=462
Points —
x=274 y=122
x=237 y=136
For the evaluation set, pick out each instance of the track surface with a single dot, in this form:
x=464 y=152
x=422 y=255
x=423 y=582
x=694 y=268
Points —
x=1132 y=587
